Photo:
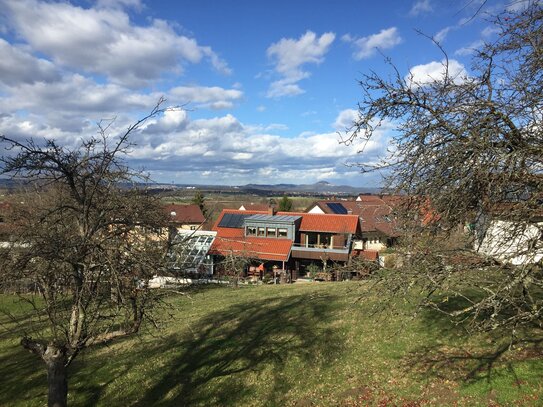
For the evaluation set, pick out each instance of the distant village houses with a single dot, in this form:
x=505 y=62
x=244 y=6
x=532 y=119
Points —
x=378 y=227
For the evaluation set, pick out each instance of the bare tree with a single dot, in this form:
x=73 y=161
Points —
x=87 y=240
x=234 y=265
x=468 y=152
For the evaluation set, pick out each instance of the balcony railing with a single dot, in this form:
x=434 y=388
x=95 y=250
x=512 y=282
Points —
x=320 y=247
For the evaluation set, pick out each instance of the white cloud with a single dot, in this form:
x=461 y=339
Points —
x=205 y=96
x=442 y=34
x=227 y=150
x=345 y=119
x=284 y=87
x=18 y=66
x=104 y=41
x=74 y=95
x=290 y=55
x=420 y=7
x=366 y=47
x=469 y=49
x=489 y=31
x=435 y=71
x=136 y=4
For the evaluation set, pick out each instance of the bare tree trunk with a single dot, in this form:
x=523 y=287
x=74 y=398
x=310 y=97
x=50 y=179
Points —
x=57 y=380
x=55 y=359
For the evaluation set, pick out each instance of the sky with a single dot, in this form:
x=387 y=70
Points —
x=264 y=91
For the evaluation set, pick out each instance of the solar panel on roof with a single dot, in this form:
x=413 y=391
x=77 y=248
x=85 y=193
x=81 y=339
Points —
x=337 y=208
x=232 y=220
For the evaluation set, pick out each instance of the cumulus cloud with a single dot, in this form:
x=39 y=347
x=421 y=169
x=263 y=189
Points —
x=366 y=47
x=435 y=71
x=74 y=66
x=73 y=95
x=420 y=7
x=104 y=41
x=18 y=66
x=290 y=55
x=205 y=96
x=222 y=149
x=345 y=119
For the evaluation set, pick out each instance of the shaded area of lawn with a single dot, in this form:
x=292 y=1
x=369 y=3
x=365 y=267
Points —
x=292 y=345
x=499 y=363
x=22 y=375
x=255 y=336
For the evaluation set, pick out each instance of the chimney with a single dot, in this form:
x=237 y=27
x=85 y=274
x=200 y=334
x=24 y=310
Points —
x=271 y=210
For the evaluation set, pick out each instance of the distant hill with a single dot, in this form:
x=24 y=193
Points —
x=321 y=187
x=318 y=188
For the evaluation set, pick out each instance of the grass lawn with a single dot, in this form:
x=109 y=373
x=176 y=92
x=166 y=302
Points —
x=285 y=345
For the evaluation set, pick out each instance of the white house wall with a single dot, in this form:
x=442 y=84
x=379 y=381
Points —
x=510 y=243
x=316 y=209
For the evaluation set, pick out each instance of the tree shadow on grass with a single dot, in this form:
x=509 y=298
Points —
x=452 y=358
x=249 y=338
x=463 y=364
x=23 y=376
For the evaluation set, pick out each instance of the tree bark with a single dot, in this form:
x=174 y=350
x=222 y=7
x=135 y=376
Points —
x=55 y=360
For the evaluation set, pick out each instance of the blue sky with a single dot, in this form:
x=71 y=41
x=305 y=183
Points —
x=267 y=85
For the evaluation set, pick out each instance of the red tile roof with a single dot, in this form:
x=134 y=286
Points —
x=316 y=222
x=252 y=247
x=185 y=214
x=229 y=232
x=375 y=212
x=311 y=222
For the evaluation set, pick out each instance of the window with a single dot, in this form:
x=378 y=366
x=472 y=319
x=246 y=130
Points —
x=262 y=232
x=311 y=239
x=250 y=231
x=271 y=232
x=192 y=227
x=282 y=232
x=325 y=240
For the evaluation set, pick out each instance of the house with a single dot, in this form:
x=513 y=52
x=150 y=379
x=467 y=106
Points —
x=185 y=217
x=376 y=216
x=288 y=241
x=513 y=241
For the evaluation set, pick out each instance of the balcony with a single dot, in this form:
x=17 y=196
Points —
x=320 y=251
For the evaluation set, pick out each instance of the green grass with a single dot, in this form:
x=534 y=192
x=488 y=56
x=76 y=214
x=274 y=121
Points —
x=299 y=345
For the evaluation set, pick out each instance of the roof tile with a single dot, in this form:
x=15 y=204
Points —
x=185 y=213
x=252 y=247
